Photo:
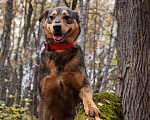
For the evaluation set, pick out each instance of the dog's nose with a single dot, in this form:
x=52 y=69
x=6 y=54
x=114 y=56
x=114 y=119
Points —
x=57 y=27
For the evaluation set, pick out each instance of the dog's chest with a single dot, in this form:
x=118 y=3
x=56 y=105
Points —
x=62 y=80
x=64 y=75
x=62 y=61
x=62 y=87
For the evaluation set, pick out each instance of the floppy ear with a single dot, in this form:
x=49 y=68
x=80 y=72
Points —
x=77 y=17
x=43 y=15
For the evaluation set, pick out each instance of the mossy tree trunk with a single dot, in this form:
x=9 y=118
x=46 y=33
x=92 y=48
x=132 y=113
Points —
x=133 y=54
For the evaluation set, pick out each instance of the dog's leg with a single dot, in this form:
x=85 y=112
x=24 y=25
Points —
x=50 y=89
x=89 y=105
x=49 y=93
x=44 y=111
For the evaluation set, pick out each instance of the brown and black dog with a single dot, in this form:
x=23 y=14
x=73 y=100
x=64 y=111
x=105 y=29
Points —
x=62 y=75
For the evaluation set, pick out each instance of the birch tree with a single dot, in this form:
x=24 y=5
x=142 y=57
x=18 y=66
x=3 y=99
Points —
x=83 y=11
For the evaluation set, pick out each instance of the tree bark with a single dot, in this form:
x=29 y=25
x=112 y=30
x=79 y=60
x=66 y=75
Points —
x=71 y=4
x=133 y=54
x=95 y=47
x=7 y=30
x=74 y=4
x=19 y=84
x=27 y=24
x=5 y=38
x=83 y=11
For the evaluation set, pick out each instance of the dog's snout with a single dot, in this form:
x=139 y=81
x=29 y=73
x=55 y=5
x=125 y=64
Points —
x=57 y=27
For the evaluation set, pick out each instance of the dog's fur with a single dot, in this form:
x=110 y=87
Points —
x=62 y=75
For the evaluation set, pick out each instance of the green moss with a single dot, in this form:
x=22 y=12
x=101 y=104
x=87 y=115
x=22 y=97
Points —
x=110 y=109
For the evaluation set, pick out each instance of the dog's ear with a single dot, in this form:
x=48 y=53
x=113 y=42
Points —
x=77 y=17
x=43 y=15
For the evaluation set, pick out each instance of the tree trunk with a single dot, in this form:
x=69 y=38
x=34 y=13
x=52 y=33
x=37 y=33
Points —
x=133 y=54
x=7 y=30
x=27 y=24
x=71 y=4
x=95 y=47
x=74 y=4
x=19 y=86
x=35 y=95
x=83 y=11
x=4 y=49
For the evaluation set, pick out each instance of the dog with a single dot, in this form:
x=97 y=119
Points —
x=62 y=77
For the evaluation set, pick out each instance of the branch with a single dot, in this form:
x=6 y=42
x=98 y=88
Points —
x=74 y=4
x=66 y=3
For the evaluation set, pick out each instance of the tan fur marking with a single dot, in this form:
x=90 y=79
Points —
x=74 y=31
x=47 y=30
x=49 y=88
x=64 y=12
x=54 y=13
x=74 y=79
x=52 y=67
x=89 y=105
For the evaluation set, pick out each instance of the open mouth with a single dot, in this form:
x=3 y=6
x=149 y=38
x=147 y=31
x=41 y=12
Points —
x=59 y=36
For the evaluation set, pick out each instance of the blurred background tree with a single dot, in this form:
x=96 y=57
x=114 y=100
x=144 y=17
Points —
x=21 y=41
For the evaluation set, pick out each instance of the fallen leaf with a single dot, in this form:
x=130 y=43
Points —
x=107 y=101
x=100 y=104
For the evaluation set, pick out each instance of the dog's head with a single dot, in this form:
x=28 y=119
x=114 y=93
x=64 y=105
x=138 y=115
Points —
x=61 y=24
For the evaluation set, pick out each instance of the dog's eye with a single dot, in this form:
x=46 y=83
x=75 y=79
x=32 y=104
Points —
x=51 y=17
x=67 y=17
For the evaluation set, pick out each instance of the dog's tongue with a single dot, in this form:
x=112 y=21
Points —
x=57 y=37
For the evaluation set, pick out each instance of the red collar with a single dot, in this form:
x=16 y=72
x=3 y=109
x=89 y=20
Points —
x=49 y=46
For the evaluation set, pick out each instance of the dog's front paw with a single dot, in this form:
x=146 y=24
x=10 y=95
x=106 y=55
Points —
x=92 y=111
